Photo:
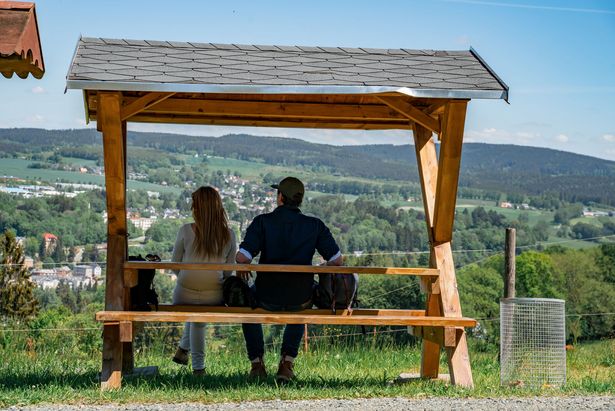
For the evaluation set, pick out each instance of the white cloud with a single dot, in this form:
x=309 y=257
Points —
x=609 y=137
x=38 y=90
x=562 y=138
x=497 y=136
x=35 y=119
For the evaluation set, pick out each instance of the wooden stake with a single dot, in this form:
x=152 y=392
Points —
x=509 y=263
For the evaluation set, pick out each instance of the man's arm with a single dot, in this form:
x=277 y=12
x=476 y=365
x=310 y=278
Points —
x=249 y=247
x=241 y=258
x=327 y=247
x=337 y=259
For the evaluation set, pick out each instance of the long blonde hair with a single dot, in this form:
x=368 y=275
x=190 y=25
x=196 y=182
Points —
x=211 y=224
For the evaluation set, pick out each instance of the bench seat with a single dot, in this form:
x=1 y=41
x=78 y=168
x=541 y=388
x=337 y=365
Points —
x=237 y=315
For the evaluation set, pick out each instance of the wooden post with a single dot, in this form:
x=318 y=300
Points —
x=509 y=263
x=108 y=119
x=439 y=178
x=427 y=161
x=305 y=338
x=128 y=357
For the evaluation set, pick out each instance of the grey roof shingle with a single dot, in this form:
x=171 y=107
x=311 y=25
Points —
x=154 y=64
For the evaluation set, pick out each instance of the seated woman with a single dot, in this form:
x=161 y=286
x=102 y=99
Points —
x=208 y=240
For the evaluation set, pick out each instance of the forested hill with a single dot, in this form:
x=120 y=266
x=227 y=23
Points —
x=521 y=169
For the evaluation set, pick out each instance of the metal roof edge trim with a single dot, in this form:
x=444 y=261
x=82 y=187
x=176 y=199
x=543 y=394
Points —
x=272 y=89
x=492 y=72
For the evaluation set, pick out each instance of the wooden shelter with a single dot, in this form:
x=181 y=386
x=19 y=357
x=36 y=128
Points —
x=20 y=45
x=425 y=91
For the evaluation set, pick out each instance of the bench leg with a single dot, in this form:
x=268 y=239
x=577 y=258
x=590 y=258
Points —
x=459 y=363
x=111 y=375
x=430 y=356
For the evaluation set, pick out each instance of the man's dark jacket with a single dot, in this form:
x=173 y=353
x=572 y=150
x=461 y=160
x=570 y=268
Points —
x=286 y=236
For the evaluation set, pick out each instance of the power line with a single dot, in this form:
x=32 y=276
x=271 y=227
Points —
x=494 y=250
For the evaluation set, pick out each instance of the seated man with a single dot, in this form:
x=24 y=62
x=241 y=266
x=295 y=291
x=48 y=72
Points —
x=284 y=236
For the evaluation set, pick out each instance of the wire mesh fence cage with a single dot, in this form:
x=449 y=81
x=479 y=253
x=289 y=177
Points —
x=532 y=342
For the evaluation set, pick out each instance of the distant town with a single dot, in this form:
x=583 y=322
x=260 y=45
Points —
x=247 y=198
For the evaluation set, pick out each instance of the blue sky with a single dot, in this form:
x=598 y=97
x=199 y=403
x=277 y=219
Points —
x=558 y=58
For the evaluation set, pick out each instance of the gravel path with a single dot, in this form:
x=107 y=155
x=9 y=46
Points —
x=388 y=404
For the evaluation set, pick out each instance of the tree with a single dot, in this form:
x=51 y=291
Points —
x=59 y=256
x=17 y=300
x=537 y=277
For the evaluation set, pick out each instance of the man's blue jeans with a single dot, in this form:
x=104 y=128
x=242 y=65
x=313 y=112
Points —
x=253 y=333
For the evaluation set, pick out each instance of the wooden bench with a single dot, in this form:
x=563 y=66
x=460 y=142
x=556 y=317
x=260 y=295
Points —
x=442 y=331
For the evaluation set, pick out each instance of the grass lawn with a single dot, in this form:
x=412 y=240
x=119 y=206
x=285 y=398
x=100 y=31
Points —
x=332 y=369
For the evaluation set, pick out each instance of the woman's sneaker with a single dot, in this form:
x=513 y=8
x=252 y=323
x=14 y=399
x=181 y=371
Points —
x=181 y=356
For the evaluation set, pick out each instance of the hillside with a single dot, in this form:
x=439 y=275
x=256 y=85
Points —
x=510 y=168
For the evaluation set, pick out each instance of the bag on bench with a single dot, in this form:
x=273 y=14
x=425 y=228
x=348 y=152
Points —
x=237 y=293
x=336 y=291
x=143 y=295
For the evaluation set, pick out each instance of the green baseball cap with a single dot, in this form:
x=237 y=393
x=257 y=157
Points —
x=291 y=187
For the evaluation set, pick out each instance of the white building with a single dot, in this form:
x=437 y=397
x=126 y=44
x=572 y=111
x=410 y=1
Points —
x=87 y=271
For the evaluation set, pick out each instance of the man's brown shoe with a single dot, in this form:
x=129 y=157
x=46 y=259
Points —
x=285 y=372
x=258 y=371
x=181 y=356
x=198 y=372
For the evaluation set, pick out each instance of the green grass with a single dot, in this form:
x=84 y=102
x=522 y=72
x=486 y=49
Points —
x=332 y=369
x=79 y=161
x=19 y=168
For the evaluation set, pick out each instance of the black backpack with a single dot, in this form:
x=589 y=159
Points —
x=143 y=295
x=336 y=291
x=236 y=293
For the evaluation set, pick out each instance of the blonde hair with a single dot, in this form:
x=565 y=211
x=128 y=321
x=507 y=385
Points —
x=211 y=224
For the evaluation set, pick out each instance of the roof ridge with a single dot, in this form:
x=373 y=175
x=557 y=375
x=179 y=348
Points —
x=270 y=47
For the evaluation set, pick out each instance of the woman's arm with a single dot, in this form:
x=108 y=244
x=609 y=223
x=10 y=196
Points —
x=178 y=249
x=230 y=256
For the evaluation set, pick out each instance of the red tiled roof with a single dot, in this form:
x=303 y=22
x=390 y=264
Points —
x=20 y=47
x=49 y=236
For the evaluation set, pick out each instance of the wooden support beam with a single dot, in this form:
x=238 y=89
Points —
x=126 y=331
x=128 y=355
x=131 y=277
x=406 y=109
x=115 y=186
x=443 y=336
x=111 y=374
x=248 y=310
x=427 y=161
x=265 y=109
x=448 y=175
x=143 y=103
x=439 y=178
x=260 y=121
x=270 y=317
x=281 y=268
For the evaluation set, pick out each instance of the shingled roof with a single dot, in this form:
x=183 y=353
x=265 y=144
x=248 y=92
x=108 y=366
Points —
x=20 y=46
x=137 y=65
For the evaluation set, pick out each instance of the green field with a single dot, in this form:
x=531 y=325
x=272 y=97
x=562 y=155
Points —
x=333 y=368
x=15 y=167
